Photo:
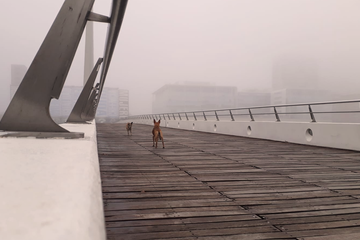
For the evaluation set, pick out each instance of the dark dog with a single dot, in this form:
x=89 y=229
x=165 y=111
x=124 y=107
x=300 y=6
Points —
x=157 y=133
x=128 y=128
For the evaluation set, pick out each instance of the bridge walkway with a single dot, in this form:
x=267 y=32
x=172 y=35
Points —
x=207 y=186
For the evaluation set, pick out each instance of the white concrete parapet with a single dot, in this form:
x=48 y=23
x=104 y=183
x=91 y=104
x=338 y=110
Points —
x=51 y=188
x=333 y=135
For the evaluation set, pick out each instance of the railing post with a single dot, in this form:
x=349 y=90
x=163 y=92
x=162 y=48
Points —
x=194 y=116
x=164 y=116
x=174 y=116
x=179 y=116
x=276 y=115
x=231 y=115
x=186 y=117
x=217 y=117
x=204 y=116
x=169 y=117
x=251 y=116
x=312 y=114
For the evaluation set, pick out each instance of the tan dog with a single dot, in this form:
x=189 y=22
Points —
x=128 y=128
x=157 y=133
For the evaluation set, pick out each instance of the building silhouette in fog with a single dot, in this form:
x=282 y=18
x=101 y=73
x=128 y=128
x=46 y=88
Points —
x=253 y=98
x=109 y=109
x=17 y=74
x=295 y=72
x=123 y=103
x=192 y=96
x=295 y=79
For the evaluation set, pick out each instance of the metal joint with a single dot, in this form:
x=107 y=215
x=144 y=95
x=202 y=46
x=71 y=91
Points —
x=251 y=116
x=312 y=114
x=217 y=117
x=186 y=117
x=231 y=115
x=98 y=18
x=276 y=115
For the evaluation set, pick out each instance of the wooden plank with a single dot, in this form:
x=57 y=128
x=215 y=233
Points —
x=206 y=186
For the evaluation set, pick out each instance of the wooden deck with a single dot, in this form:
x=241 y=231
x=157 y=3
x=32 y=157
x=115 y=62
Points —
x=211 y=186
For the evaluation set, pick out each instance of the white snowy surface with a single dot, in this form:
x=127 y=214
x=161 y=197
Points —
x=51 y=188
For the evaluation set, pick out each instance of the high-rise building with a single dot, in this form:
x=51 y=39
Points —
x=17 y=74
x=295 y=80
x=189 y=96
x=252 y=99
x=123 y=103
x=109 y=105
x=295 y=72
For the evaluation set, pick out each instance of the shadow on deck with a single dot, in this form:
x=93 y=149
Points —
x=211 y=186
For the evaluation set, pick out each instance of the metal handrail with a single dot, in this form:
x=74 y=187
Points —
x=251 y=114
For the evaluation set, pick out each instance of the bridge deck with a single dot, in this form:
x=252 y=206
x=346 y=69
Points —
x=209 y=186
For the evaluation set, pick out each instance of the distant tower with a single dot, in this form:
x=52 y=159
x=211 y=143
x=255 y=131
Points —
x=89 y=50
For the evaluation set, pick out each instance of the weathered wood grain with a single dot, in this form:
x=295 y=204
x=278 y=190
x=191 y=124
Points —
x=207 y=186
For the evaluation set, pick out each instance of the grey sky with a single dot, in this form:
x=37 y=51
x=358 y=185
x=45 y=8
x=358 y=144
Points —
x=226 y=42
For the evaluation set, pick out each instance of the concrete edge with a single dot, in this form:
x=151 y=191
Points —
x=51 y=188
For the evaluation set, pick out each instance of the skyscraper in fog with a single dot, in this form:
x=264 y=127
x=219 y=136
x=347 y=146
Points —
x=295 y=72
x=193 y=96
x=17 y=74
x=295 y=80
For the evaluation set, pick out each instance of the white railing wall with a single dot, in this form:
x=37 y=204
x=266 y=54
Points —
x=334 y=135
x=343 y=135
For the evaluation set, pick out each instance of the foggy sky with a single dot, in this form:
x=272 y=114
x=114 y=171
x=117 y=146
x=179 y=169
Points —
x=225 y=42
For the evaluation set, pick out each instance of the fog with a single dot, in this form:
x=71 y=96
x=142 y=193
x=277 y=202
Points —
x=227 y=42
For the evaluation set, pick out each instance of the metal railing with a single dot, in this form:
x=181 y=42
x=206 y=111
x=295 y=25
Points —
x=285 y=112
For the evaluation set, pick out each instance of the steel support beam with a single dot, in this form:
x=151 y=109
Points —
x=79 y=108
x=29 y=108
x=117 y=15
x=89 y=113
